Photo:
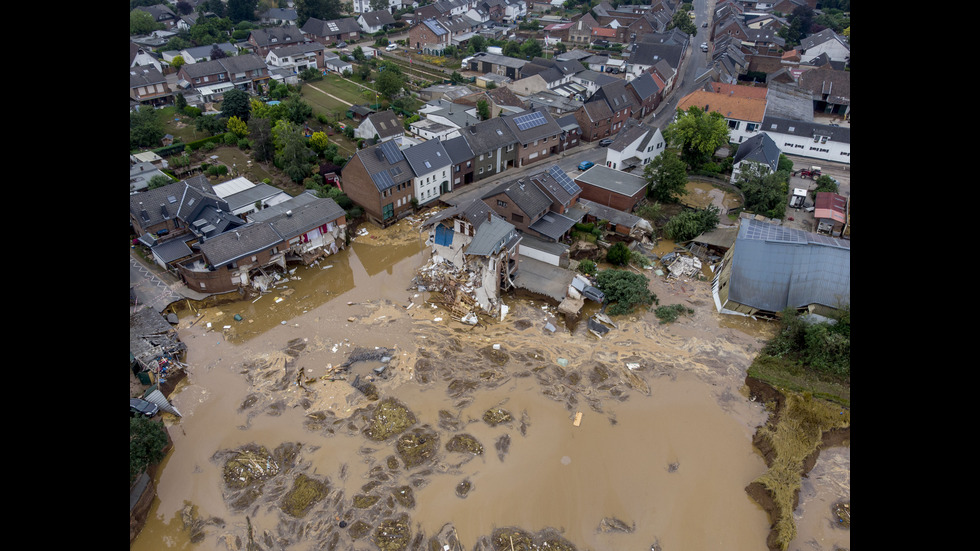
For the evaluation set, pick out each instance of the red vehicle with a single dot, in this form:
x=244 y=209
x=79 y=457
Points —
x=813 y=172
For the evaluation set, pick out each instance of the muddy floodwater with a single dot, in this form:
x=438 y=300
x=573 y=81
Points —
x=642 y=438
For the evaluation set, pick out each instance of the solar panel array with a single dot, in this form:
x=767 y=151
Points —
x=559 y=175
x=530 y=120
x=391 y=152
x=382 y=180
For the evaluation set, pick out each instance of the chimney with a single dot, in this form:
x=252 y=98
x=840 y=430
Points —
x=489 y=215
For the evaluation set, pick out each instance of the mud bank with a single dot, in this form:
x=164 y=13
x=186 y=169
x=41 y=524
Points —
x=778 y=513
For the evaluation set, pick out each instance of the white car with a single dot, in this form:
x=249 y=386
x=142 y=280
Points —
x=392 y=47
x=704 y=46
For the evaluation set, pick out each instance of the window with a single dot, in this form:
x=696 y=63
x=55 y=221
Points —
x=501 y=204
x=481 y=170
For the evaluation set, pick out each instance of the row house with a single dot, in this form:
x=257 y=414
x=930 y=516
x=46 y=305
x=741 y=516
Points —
x=148 y=86
x=431 y=165
x=333 y=31
x=269 y=38
x=504 y=11
x=494 y=147
x=461 y=156
x=380 y=180
x=580 y=33
x=647 y=90
x=309 y=55
x=432 y=36
x=537 y=204
x=242 y=256
x=670 y=47
x=537 y=133
x=444 y=8
x=621 y=102
x=594 y=119
x=213 y=78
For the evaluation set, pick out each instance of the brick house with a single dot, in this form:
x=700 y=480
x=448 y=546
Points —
x=212 y=78
x=612 y=188
x=620 y=101
x=379 y=180
x=267 y=39
x=333 y=31
x=527 y=204
x=494 y=147
x=537 y=133
x=594 y=118
x=462 y=160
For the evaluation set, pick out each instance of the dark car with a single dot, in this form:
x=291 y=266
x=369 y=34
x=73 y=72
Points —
x=142 y=407
x=605 y=142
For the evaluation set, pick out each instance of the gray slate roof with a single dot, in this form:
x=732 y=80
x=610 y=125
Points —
x=617 y=181
x=488 y=135
x=644 y=86
x=383 y=173
x=386 y=124
x=333 y=27
x=459 y=151
x=242 y=242
x=299 y=220
x=427 y=157
x=378 y=18
x=774 y=267
x=805 y=129
x=760 y=149
x=548 y=129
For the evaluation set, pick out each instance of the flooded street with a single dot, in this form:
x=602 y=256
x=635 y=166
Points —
x=643 y=437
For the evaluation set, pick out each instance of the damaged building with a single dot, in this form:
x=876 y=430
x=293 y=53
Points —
x=475 y=254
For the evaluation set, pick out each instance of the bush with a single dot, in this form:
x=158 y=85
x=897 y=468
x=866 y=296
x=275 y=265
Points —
x=244 y=143
x=671 y=312
x=619 y=254
x=231 y=138
x=587 y=267
x=624 y=290
x=192 y=111
x=216 y=170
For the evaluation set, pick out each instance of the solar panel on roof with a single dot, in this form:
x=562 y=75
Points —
x=382 y=180
x=559 y=175
x=530 y=120
x=391 y=152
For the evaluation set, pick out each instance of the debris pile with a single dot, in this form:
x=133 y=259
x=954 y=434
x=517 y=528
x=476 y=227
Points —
x=457 y=290
x=681 y=265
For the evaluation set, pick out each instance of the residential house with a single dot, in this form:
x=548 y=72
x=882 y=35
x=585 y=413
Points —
x=452 y=114
x=830 y=212
x=498 y=100
x=431 y=165
x=379 y=179
x=140 y=174
x=529 y=85
x=557 y=31
x=148 y=86
x=431 y=130
x=635 y=146
x=148 y=157
x=162 y=14
x=198 y=54
x=461 y=157
x=571 y=132
x=806 y=138
x=760 y=151
x=669 y=47
x=600 y=34
x=824 y=42
x=364 y=6
x=333 y=63
x=647 y=90
x=612 y=188
x=770 y=268
x=331 y=32
x=375 y=21
x=555 y=103
x=174 y=211
x=278 y=16
x=245 y=197
x=592 y=80
x=142 y=57
x=473 y=238
x=297 y=58
x=265 y=39
x=537 y=133
x=494 y=147
x=385 y=125
x=429 y=37
x=525 y=203
x=580 y=33
x=213 y=78
x=743 y=113
x=621 y=102
x=595 y=119
x=450 y=92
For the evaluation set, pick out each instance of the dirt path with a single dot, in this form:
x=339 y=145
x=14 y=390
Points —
x=345 y=102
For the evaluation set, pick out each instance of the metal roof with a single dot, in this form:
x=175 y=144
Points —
x=774 y=267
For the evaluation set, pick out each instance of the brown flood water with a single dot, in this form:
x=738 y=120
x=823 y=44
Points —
x=672 y=464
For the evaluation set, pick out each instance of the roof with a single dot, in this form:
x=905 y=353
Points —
x=774 y=267
x=427 y=157
x=597 y=110
x=616 y=181
x=333 y=27
x=525 y=195
x=830 y=205
x=610 y=214
x=496 y=59
x=737 y=90
x=274 y=211
x=241 y=242
x=633 y=131
x=157 y=205
x=644 y=85
x=491 y=236
x=649 y=53
x=386 y=124
x=730 y=106
x=488 y=135
x=378 y=18
x=836 y=85
x=234 y=65
x=604 y=32
x=302 y=218
x=459 y=151
x=760 y=148
x=532 y=125
x=269 y=36
x=385 y=164
x=146 y=75
x=806 y=129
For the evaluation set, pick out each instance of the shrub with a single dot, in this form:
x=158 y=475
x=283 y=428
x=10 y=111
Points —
x=587 y=267
x=671 y=312
x=244 y=143
x=231 y=138
x=619 y=254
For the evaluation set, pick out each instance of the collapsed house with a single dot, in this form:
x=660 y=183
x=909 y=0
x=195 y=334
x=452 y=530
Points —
x=475 y=253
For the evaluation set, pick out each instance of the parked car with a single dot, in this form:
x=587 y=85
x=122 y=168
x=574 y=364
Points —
x=605 y=142
x=704 y=46
x=138 y=406
x=392 y=47
x=704 y=25
x=585 y=165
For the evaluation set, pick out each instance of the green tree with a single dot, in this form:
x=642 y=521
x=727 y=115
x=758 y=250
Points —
x=180 y=102
x=389 y=84
x=689 y=224
x=358 y=54
x=377 y=5
x=325 y=10
x=364 y=72
x=141 y=22
x=682 y=22
x=242 y=10
x=826 y=183
x=531 y=49
x=698 y=134
x=238 y=127
x=483 y=109
x=236 y=103
x=263 y=146
x=297 y=110
x=784 y=163
x=587 y=267
x=147 y=440
x=159 y=180
x=293 y=156
x=217 y=7
x=478 y=44
x=145 y=128
x=666 y=177
x=177 y=62
x=619 y=254
x=765 y=192
x=456 y=78
x=212 y=124
x=624 y=290
x=319 y=142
